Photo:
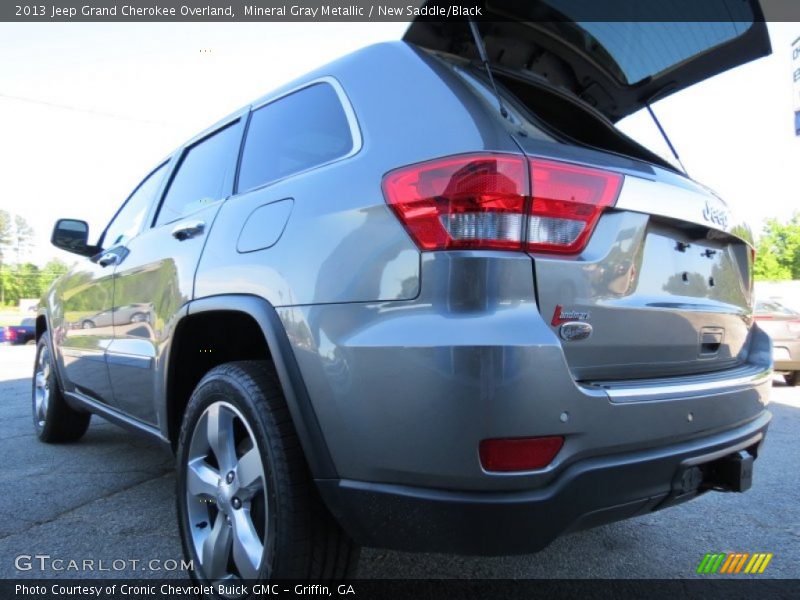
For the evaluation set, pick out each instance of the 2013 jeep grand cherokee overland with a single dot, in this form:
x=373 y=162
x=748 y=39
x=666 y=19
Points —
x=408 y=303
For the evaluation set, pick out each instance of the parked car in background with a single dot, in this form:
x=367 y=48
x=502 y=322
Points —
x=131 y=313
x=24 y=333
x=783 y=325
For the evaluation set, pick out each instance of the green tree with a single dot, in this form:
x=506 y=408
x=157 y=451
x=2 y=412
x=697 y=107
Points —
x=778 y=252
x=22 y=281
x=50 y=272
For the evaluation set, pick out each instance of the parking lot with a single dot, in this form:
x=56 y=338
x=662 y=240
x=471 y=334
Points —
x=110 y=497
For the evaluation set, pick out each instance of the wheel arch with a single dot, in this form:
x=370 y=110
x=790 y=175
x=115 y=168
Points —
x=265 y=338
x=41 y=325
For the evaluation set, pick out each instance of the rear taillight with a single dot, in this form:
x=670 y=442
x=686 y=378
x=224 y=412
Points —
x=461 y=202
x=11 y=335
x=567 y=202
x=485 y=202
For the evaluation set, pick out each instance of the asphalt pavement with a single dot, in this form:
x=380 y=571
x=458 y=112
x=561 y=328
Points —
x=110 y=498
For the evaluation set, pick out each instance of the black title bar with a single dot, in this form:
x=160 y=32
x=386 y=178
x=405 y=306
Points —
x=386 y=10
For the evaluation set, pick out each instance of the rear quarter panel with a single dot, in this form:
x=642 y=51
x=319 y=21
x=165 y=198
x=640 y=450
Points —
x=341 y=242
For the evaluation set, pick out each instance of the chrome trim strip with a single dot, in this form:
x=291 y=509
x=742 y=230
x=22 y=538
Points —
x=98 y=355
x=129 y=360
x=660 y=389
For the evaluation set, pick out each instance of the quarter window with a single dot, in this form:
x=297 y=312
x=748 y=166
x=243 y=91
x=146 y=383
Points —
x=297 y=132
x=201 y=176
x=128 y=221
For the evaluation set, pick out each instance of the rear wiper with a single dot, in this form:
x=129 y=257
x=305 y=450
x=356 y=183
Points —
x=476 y=36
x=666 y=138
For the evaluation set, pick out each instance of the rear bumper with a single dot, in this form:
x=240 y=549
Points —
x=589 y=492
x=404 y=392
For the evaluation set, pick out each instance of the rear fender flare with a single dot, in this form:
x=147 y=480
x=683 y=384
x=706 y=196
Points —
x=291 y=379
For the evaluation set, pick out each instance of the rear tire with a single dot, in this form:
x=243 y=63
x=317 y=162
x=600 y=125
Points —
x=793 y=378
x=53 y=419
x=243 y=484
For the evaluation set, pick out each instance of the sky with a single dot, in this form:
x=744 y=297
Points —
x=87 y=109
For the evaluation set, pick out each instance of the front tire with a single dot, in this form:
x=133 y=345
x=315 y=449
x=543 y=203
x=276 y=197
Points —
x=247 y=506
x=792 y=379
x=53 y=419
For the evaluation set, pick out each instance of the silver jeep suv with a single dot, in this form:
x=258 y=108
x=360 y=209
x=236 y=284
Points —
x=428 y=298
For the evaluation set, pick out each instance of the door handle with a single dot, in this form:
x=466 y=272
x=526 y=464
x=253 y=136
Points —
x=108 y=259
x=184 y=231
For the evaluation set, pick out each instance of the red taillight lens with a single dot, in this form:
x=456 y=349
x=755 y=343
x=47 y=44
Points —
x=567 y=202
x=461 y=202
x=11 y=335
x=519 y=454
x=483 y=202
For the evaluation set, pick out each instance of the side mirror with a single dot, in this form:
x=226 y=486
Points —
x=72 y=235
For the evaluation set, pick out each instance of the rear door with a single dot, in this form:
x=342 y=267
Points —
x=640 y=271
x=86 y=296
x=83 y=300
x=155 y=276
x=663 y=283
x=615 y=57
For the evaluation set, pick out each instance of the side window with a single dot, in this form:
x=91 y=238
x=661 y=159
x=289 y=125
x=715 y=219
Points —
x=127 y=222
x=201 y=175
x=299 y=131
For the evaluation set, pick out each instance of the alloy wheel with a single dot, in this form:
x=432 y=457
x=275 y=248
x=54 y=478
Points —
x=226 y=495
x=41 y=391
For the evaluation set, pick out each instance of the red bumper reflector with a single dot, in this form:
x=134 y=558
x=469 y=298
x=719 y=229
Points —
x=519 y=454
